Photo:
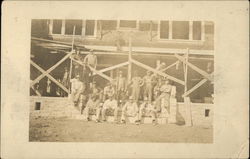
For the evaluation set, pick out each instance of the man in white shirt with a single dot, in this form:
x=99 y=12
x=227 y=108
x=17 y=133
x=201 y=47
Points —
x=93 y=103
x=76 y=89
x=148 y=107
x=130 y=109
x=91 y=59
x=110 y=104
x=109 y=91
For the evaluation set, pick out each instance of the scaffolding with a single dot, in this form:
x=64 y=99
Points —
x=130 y=60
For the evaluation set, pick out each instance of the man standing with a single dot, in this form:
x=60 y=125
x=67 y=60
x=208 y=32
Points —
x=130 y=109
x=165 y=96
x=148 y=85
x=91 y=59
x=147 y=107
x=137 y=82
x=121 y=86
x=76 y=89
x=110 y=104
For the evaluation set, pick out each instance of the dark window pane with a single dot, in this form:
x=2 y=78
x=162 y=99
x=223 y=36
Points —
x=180 y=29
x=108 y=24
x=90 y=27
x=128 y=23
x=147 y=26
x=197 y=30
x=57 y=26
x=164 y=30
x=40 y=28
x=209 y=28
x=69 y=27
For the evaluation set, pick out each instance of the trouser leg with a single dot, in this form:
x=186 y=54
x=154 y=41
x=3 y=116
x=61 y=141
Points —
x=103 y=113
x=98 y=112
x=115 y=113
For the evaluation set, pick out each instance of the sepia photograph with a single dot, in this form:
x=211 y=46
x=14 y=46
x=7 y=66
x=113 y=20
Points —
x=125 y=79
x=95 y=80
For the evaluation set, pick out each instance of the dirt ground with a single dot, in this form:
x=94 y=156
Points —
x=69 y=130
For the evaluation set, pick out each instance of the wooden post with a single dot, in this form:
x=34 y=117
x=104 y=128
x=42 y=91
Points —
x=71 y=64
x=73 y=38
x=188 y=118
x=186 y=70
x=130 y=58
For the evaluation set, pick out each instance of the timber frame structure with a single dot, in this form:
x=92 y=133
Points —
x=179 y=58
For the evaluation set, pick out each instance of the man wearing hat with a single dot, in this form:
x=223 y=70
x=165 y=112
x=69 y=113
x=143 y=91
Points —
x=130 y=109
x=93 y=103
x=148 y=107
x=76 y=89
x=148 y=85
x=91 y=59
x=110 y=103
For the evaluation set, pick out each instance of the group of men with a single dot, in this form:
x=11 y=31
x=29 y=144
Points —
x=121 y=94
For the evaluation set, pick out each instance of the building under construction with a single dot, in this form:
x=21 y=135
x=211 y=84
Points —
x=185 y=47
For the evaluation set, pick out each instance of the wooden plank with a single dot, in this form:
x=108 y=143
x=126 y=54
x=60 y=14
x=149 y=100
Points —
x=113 y=67
x=200 y=71
x=37 y=93
x=158 y=72
x=188 y=116
x=49 y=76
x=195 y=87
x=168 y=67
x=51 y=69
x=186 y=71
x=94 y=70
x=135 y=49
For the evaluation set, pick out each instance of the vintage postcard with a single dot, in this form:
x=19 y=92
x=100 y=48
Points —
x=125 y=79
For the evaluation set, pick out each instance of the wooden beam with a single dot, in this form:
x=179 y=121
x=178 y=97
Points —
x=188 y=116
x=129 y=59
x=158 y=72
x=94 y=70
x=37 y=93
x=49 y=76
x=200 y=71
x=186 y=71
x=135 y=49
x=168 y=67
x=195 y=87
x=114 y=67
x=51 y=69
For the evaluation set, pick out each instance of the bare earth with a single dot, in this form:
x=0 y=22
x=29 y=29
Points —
x=69 y=130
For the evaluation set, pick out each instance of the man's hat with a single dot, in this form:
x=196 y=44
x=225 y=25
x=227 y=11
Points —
x=145 y=98
x=120 y=72
x=130 y=98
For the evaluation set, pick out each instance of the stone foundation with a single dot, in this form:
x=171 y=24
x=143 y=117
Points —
x=202 y=113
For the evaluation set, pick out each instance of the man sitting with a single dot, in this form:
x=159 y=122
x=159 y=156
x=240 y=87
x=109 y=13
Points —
x=130 y=109
x=108 y=91
x=110 y=104
x=93 y=103
x=76 y=89
x=147 y=107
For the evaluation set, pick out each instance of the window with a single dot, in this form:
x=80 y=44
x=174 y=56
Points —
x=37 y=105
x=147 y=26
x=90 y=28
x=69 y=27
x=57 y=26
x=181 y=30
x=164 y=30
x=197 y=30
x=127 y=24
x=108 y=24
x=207 y=112
x=209 y=28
